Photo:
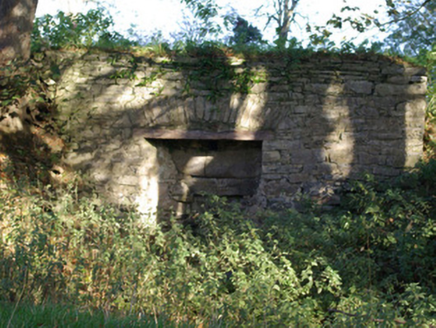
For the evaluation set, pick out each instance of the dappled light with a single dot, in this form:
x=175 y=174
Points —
x=320 y=122
x=197 y=184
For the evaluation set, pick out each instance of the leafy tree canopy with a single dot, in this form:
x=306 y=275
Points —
x=244 y=33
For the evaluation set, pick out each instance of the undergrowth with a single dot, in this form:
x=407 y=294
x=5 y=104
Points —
x=369 y=263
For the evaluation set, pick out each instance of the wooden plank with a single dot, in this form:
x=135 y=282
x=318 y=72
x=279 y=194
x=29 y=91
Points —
x=203 y=135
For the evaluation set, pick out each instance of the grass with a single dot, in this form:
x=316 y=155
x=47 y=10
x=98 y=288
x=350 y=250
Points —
x=66 y=316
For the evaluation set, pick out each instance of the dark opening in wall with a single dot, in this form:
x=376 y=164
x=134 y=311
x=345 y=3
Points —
x=229 y=168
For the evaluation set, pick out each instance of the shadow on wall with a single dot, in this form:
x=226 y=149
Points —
x=268 y=103
x=217 y=124
x=109 y=142
x=325 y=116
x=195 y=168
x=387 y=127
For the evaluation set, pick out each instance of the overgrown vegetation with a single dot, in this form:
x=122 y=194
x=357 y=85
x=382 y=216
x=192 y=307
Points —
x=70 y=259
x=93 y=29
x=371 y=262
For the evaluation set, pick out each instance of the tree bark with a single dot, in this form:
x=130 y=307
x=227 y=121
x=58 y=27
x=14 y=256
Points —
x=16 y=23
x=286 y=17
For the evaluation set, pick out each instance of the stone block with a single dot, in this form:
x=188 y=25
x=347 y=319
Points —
x=406 y=79
x=78 y=158
x=385 y=89
x=398 y=79
x=209 y=111
x=234 y=164
x=188 y=164
x=412 y=159
x=123 y=122
x=386 y=171
x=189 y=108
x=177 y=115
x=281 y=187
x=270 y=168
x=128 y=180
x=366 y=111
x=301 y=109
x=361 y=87
x=413 y=107
x=393 y=70
x=294 y=178
x=199 y=108
x=345 y=145
x=415 y=71
x=396 y=160
x=340 y=157
x=325 y=89
x=370 y=159
x=419 y=79
x=281 y=145
x=303 y=156
x=222 y=187
x=259 y=88
x=180 y=192
x=271 y=156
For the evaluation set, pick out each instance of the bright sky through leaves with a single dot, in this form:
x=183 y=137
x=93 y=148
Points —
x=149 y=16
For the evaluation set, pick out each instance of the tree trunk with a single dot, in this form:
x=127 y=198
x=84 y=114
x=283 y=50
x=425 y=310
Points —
x=288 y=17
x=16 y=23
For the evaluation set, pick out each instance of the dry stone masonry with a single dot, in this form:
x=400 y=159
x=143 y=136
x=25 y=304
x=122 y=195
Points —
x=159 y=133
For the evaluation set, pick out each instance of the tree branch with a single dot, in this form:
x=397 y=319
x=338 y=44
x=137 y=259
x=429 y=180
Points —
x=407 y=15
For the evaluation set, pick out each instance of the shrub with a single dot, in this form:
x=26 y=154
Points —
x=369 y=263
x=93 y=29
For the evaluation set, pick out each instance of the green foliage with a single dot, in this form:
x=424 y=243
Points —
x=414 y=33
x=92 y=29
x=213 y=71
x=245 y=33
x=206 y=11
x=14 y=82
x=368 y=264
x=84 y=253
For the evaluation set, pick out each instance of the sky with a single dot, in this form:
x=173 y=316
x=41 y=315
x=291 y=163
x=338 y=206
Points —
x=146 y=17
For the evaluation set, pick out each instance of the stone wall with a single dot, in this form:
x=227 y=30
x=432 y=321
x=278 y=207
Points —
x=300 y=127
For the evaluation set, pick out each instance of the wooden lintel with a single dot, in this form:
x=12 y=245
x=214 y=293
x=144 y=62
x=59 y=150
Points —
x=203 y=135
